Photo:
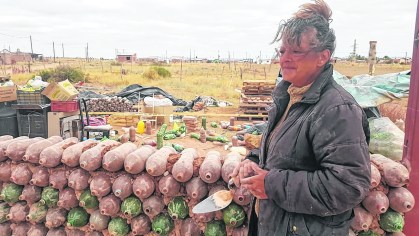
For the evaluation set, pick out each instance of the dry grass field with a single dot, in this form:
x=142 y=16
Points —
x=187 y=80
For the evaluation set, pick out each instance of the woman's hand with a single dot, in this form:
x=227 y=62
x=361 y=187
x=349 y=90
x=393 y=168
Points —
x=256 y=182
x=241 y=171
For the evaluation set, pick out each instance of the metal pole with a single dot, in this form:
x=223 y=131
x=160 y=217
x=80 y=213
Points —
x=411 y=147
x=30 y=37
x=53 y=49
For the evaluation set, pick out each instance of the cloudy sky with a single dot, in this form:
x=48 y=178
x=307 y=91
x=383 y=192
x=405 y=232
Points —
x=183 y=28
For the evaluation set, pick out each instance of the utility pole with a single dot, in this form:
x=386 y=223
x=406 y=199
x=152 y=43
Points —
x=229 y=60
x=372 y=57
x=354 y=51
x=87 y=52
x=62 y=45
x=30 y=38
x=190 y=55
x=53 y=50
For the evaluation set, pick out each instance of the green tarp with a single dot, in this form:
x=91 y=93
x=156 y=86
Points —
x=371 y=91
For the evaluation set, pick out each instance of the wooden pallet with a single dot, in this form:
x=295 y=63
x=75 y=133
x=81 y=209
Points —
x=257 y=91
x=255 y=99
x=258 y=83
x=252 y=118
x=257 y=109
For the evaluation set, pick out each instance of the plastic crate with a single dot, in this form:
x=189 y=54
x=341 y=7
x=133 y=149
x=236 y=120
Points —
x=33 y=123
x=8 y=122
x=67 y=106
x=31 y=97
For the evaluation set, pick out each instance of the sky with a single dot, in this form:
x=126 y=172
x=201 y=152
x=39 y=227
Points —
x=191 y=28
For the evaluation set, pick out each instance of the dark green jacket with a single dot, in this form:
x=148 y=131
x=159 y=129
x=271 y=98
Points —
x=319 y=164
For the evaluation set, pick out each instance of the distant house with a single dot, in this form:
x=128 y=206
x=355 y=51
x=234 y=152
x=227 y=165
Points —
x=10 y=58
x=126 y=57
x=148 y=60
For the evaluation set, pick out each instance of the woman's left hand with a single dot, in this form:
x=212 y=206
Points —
x=256 y=183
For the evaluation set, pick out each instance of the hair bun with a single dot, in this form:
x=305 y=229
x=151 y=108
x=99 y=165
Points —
x=309 y=10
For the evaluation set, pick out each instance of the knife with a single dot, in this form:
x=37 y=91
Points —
x=217 y=201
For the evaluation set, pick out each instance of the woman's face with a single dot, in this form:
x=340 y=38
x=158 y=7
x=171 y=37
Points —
x=300 y=65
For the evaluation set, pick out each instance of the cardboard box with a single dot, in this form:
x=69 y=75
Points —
x=163 y=113
x=59 y=123
x=8 y=93
x=61 y=91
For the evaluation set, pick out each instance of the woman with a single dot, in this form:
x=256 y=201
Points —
x=314 y=165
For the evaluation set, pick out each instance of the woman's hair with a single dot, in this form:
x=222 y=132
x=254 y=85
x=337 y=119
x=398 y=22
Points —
x=311 y=16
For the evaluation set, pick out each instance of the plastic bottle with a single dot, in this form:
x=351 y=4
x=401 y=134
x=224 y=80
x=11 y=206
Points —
x=140 y=127
x=232 y=120
x=234 y=141
x=204 y=122
x=148 y=127
x=203 y=135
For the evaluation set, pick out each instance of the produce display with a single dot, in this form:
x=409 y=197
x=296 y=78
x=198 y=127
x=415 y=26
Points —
x=66 y=187
x=110 y=104
x=382 y=211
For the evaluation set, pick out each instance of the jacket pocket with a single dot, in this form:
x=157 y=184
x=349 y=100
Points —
x=329 y=225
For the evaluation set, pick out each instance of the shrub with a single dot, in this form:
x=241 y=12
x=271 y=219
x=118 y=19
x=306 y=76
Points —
x=163 y=72
x=115 y=63
x=62 y=73
x=67 y=72
x=151 y=74
x=45 y=74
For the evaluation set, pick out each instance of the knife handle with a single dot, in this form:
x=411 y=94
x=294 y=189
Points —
x=231 y=184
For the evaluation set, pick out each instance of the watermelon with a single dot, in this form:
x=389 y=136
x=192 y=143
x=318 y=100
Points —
x=118 y=227
x=391 y=221
x=162 y=224
x=178 y=208
x=233 y=215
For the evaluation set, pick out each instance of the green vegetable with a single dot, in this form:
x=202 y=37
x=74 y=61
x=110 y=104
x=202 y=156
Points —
x=233 y=215
x=170 y=132
x=88 y=201
x=159 y=140
x=77 y=217
x=204 y=122
x=195 y=136
x=178 y=147
x=4 y=211
x=383 y=136
x=162 y=224
x=118 y=227
x=162 y=129
x=368 y=233
x=214 y=124
x=49 y=196
x=219 y=138
x=131 y=207
x=11 y=192
x=215 y=228
x=391 y=221
x=169 y=136
x=182 y=128
x=37 y=213
x=177 y=208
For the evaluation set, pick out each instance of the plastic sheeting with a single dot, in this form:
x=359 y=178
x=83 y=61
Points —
x=371 y=91
x=133 y=92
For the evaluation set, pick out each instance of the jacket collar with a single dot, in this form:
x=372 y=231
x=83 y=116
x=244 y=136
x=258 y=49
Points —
x=313 y=94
